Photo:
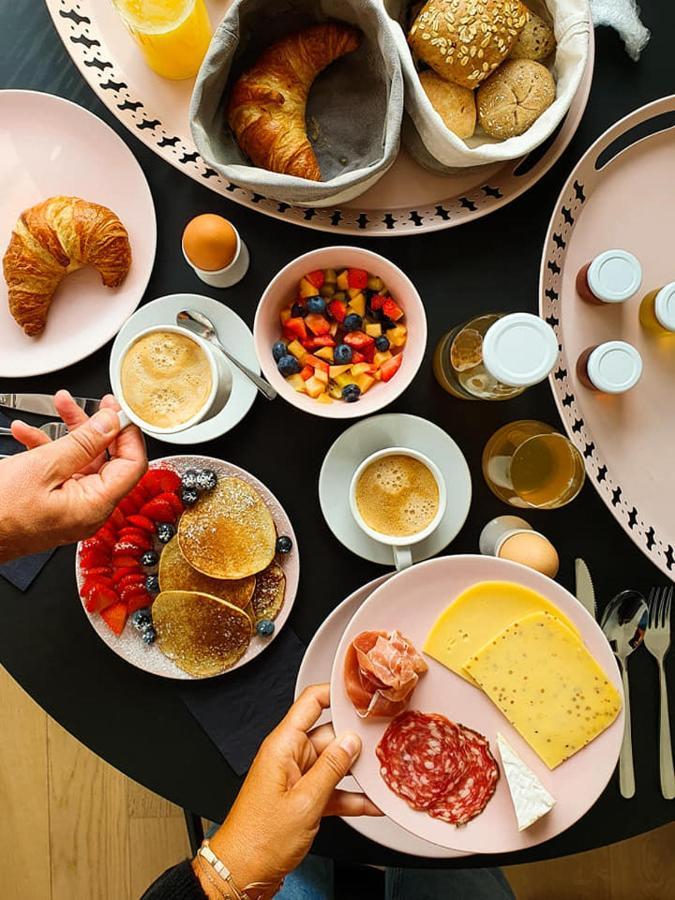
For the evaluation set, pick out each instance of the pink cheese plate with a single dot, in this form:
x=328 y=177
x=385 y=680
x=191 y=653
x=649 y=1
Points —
x=408 y=200
x=50 y=146
x=576 y=784
x=620 y=194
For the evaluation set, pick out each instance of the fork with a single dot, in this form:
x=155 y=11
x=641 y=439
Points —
x=657 y=641
x=53 y=430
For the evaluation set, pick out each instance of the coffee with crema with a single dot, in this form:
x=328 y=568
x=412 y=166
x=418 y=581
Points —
x=166 y=378
x=397 y=495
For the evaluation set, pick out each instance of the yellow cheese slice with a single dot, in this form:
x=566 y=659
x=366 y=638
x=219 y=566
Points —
x=477 y=615
x=548 y=686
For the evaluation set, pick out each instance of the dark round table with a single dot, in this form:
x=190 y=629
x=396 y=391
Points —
x=137 y=722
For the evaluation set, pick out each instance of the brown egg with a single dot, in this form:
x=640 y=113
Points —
x=533 y=550
x=210 y=242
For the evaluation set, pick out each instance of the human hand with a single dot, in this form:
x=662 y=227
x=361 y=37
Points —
x=290 y=786
x=62 y=491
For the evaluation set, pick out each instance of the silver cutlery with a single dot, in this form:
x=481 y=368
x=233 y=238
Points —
x=43 y=404
x=200 y=324
x=584 y=590
x=53 y=430
x=624 y=622
x=657 y=641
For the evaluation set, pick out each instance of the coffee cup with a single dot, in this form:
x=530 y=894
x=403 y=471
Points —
x=398 y=497
x=178 y=380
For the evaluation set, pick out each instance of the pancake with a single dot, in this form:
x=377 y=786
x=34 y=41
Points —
x=268 y=596
x=176 y=574
x=201 y=634
x=229 y=532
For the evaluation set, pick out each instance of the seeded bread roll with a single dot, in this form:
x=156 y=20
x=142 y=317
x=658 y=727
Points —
x=465 y=40
x=514 y=97
x=454 y=104
x=535 y=41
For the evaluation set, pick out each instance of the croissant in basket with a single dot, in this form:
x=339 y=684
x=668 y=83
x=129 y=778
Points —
x=267 y=104
x=52 y=239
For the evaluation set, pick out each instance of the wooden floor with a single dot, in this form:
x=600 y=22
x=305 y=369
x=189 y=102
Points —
x=73 y=828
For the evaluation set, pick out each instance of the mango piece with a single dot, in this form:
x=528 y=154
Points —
x=381 y=358
x=334 y=371
x=306 y=288
x=325 y=353
x=374 y=329
x=365 y=382
x=358 y=304
x=397 y=335
x=329 y=276
x=360 y=368
x=321 y=376
x=314 y=387
x=297 y=382
x=342 y=282
x=324 y=398
x=375 y=283
x=296 y=348
x=344 y=380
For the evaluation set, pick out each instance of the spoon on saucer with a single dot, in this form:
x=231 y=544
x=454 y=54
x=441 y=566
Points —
x=200 y=324
x=624 y=622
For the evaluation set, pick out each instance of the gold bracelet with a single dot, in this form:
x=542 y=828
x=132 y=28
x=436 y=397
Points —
x=259 y=890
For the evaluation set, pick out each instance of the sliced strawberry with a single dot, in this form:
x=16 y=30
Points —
x=115 y=617
x=315 y=362
x=92 y=582
x=159 y=510
x=368 y=353
x=306 y=373
x=134 y=578
x=126 y=547
x=295 y=328
x=136 y=536
x=90 y=559
x=322 y=340
x=317 y=323
x=100 y=598
x=142 y=523
x=139 y=601
x=377 y=302
x=123 y=572
x=316 y=278
x=357 y=340
x=96 y=570
x=139 y=496
x=391 y=310
x=174 y=501
x=357 y=357
x=357 y=278
x=128 y=507
x=338 y=310
x=126 y=562
x=107 y=536
x=159 y=481
x=117 y=518
x=131 y=590
x=391 y=367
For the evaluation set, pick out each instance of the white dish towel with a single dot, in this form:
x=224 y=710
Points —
x=624 y=16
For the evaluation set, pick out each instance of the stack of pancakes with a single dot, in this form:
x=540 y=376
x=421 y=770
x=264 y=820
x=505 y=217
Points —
x=218 y=578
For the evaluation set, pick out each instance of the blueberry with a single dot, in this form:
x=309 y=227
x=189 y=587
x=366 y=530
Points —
x=141 y=619
x=316 y=305
x=165 y=531
x=298 y=310
x=278 y=350
x=150 y=558
x=189 y=496
x=206 y=480
x=149 y=635
x=284 y=544
x=288 y=365
x=152 y=584
x=265 y=627
x=189 y=478
x=387 y=323
x=342 y=355
x=382 y=343
x=352 y=322
x=351 y=393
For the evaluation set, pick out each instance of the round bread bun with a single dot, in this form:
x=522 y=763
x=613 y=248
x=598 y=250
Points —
x=456 y=105
x=535 y=41
x=514 y=97
x=176 y=574
x=465 y=40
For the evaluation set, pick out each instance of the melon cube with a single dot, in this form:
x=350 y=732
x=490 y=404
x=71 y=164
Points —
x=314 y=387
x=360 y=368
x=321 y=376
x=344 y=380
x=297 y=382
x=365 y=382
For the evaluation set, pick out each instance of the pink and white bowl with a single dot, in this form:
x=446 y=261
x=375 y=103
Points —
x=281 y=290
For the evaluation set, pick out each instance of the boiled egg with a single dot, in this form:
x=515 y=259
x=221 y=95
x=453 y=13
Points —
x=210 y=242
x=531 y=549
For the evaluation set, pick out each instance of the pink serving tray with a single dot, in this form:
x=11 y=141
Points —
x=408 y=199
x=620 y=198
x=411 y=601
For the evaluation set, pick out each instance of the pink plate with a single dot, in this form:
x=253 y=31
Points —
x=50 y=146
x=407 y=200
x=315 y=669
x=149 y=658
x=620 y=194
x=576 y=784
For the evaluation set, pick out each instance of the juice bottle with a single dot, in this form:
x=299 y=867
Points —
x=611 y=368
x=611 y=277
x=173 y=35
x=657 y=310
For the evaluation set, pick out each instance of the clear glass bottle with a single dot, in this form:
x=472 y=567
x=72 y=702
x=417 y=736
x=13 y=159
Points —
x=657 y=310
x=495 y=356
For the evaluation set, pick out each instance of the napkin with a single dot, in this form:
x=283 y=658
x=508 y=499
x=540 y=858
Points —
x=239 y=709
x=624 y=17
x=20 y=572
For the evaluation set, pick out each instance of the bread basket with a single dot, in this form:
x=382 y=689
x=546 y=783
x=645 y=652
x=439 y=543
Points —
x=354 y=110
x=433 y=145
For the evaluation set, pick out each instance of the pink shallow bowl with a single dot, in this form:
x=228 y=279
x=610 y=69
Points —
x=282 y=289
x=411 y=601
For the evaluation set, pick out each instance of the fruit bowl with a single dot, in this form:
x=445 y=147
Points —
x=283 y=290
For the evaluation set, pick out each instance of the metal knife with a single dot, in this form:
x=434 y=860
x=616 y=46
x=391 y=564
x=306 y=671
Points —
x=584 y=587
x=43 y=404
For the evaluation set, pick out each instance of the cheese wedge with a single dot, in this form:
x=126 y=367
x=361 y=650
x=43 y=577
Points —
x=477 y=615
x=530 y=798
x=547 y=684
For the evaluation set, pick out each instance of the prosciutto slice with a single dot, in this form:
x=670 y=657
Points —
x=381 y=671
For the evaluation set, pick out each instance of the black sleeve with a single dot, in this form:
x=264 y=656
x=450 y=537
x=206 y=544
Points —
x=179 y=883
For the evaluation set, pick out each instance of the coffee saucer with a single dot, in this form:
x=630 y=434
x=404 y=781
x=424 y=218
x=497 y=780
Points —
x=378 y=433
x=234 y=334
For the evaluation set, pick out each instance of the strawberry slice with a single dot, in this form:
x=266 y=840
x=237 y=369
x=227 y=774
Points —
x=357 y=340
x=357 y=357
x=306 y=373
x=131 y=590
x=391 y=310
x=391 y=367
x=92 y=582
x=133 y=578
x=159 y=481
x=115 y=617
x=117 y=519
x=159 y=510
x=295 y=328
x=174 y=502
x=124 y=571
x=126 y=548
x=95 y=570
x=317 y=323
x=377 y=302
x=338 y=310
x=139 y=601
x=126 y=561
x=128 y=507
x=357 y=279
x=136 y=536
x=100 y=598
x=106 y=535
x=317 y=278
x=322 y=340
x=142 y=523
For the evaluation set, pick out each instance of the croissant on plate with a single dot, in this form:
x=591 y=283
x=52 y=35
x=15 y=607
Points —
x=52 y=239
x=267 y=104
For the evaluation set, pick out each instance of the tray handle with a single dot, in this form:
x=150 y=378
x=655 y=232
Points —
x=603 y=150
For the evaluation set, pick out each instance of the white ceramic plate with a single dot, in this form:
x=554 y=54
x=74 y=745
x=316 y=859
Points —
x=234 y=334
x=377 y=433
x=149 y=658
x=50 y=146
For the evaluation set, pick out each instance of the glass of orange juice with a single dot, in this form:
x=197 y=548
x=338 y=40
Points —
x=173 y=35
x=529 y=464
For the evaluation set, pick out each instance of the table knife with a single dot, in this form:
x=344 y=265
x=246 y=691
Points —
x=43 y=404
x=584 y=587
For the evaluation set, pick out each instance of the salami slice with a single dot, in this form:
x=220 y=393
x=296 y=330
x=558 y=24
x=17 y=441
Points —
x=381 y=671
x=472 y=793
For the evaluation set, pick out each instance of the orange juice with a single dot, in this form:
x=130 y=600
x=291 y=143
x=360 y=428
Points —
x=173 y=35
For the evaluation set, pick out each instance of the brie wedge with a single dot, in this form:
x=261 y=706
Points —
x=530 y=798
